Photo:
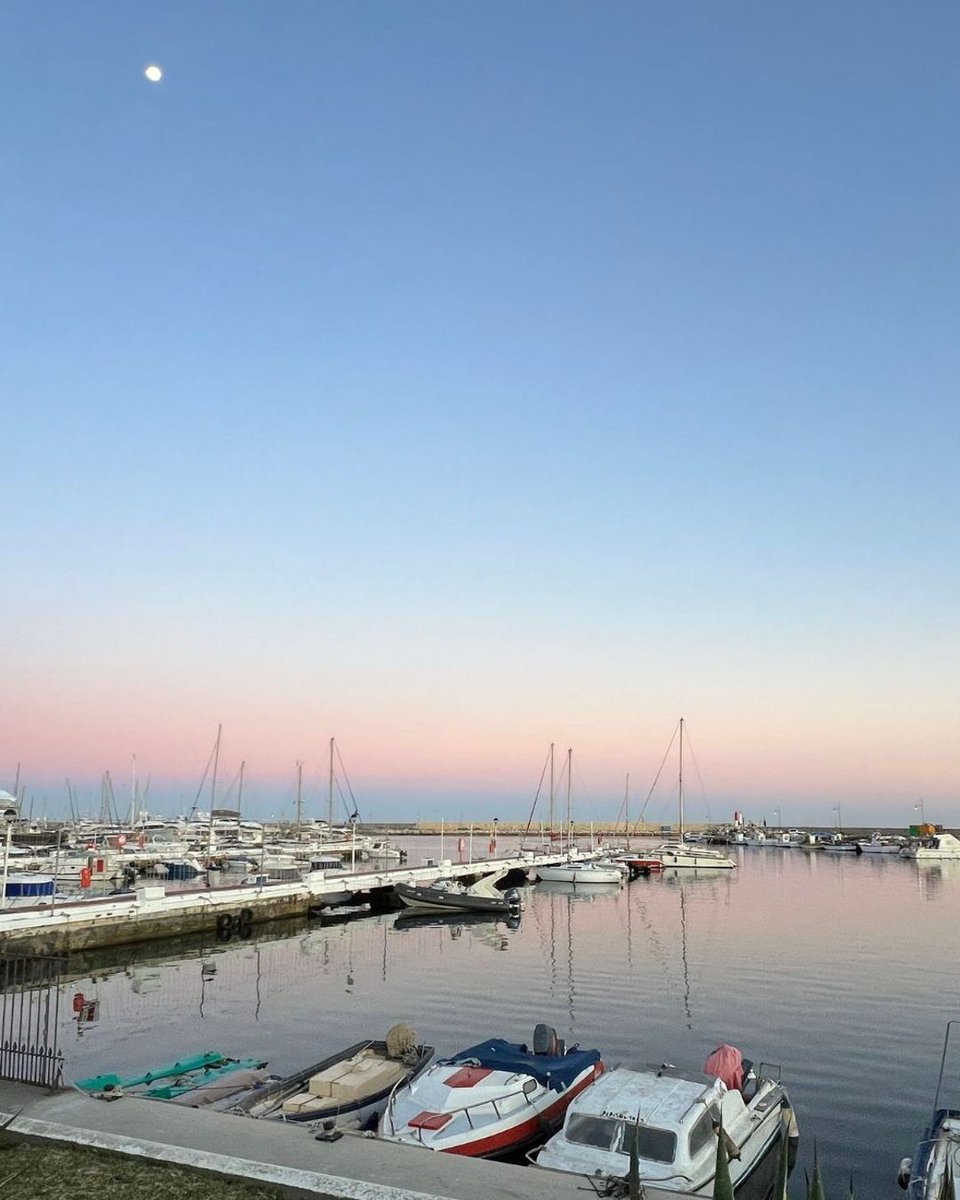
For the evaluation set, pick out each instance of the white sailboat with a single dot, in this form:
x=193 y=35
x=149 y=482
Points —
x=677 y=852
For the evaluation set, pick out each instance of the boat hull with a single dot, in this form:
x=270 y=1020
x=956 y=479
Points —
x=492 y=1100
x=434 y=899
x=359 y=1111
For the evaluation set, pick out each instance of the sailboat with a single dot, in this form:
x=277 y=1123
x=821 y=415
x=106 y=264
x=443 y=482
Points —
x=677 y=852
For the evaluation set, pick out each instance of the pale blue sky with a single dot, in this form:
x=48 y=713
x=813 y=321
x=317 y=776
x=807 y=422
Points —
x=437 y=375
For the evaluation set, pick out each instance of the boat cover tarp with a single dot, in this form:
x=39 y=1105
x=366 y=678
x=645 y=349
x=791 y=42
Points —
x=554 y=1071
x=726 y=1064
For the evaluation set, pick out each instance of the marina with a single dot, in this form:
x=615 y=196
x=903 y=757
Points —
x=657 y=970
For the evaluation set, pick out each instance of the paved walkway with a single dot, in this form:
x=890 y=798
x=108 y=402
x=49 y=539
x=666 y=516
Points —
x=356 y=1167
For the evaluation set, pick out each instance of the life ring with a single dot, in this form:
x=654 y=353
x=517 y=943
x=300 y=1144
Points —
x=246 y=915
x=225 y=923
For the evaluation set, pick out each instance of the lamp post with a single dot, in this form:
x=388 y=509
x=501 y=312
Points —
x=8 y=815
x=777 y=811
x=919 y=805
x=836 y=809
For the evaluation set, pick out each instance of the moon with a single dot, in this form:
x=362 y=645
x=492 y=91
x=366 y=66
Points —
x=153 y=73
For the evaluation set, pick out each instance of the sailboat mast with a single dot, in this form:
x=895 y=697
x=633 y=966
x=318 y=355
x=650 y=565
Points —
x=240 y=791
x=569 y=804
x=213 y=789
x=681 y=779
x=299 y=798
x=551 y=789
x=330 y=796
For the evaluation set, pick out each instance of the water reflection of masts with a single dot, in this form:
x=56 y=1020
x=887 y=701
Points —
x=683 y=955
x=570 y=984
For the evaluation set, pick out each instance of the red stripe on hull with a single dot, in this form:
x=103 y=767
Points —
x=517 y=1136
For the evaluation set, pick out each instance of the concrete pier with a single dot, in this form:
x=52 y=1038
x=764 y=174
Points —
x=151 y=912
x=356 y=1167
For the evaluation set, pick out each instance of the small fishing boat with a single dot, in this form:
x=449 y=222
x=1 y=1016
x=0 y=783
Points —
x=448 y=895
x=675 y=1117
x=349 y=1089
x=199 y=1078
x=582 y=873
x=492 y=1099
x=933 y=1173
x=879 y=843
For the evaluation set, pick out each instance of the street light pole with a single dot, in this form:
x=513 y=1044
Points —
x=9 y=815
x=6 y=861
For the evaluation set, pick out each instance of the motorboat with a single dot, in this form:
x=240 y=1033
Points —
x=938 y=845
x=349 y=1089
x=493 y=1099
x=582 y=873
x=933 y=1173
x=879 y=843
x=675 y=1117
x=448 y=895
x=682 y=854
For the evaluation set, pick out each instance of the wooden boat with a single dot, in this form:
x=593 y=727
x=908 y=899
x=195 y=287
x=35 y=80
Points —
x=933 y=1173
x=181 y=1081
x=493 y=1099
x=349 y=1089
x=675 y=1116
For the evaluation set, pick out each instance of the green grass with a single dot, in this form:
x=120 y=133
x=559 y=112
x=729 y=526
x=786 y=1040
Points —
x=43 y=1172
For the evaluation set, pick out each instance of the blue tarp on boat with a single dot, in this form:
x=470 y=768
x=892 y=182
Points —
x=556 y=1071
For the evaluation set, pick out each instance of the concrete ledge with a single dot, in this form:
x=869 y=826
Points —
x=272 y=1153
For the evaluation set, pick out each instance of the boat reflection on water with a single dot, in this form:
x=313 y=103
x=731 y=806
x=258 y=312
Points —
x=484 y=928
x=596 y=891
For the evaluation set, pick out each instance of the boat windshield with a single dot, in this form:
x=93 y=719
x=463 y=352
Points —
x=611 y=1133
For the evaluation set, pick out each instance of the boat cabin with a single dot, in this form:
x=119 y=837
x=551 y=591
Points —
x=674 y=1113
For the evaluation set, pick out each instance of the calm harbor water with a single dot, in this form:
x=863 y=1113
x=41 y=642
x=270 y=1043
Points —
x=841 y=969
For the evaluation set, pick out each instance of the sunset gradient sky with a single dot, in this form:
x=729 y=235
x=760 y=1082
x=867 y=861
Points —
x=453 y=379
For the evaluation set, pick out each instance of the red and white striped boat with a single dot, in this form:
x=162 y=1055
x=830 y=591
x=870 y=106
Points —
x=491 y=1100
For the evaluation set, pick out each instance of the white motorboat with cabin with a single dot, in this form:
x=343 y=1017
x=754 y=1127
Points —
x=675 y=1116
x=492 y=1099
x=582 y=874
x=938 y=845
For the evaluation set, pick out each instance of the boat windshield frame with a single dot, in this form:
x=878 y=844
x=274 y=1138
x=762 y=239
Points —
x=654 y=1143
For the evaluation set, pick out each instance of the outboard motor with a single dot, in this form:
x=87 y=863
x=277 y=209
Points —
x=545 y=1041
x=514 y=899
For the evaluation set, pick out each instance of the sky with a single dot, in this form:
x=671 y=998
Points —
x=454 y=380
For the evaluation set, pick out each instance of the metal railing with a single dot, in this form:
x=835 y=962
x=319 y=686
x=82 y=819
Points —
x=29 y=1019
